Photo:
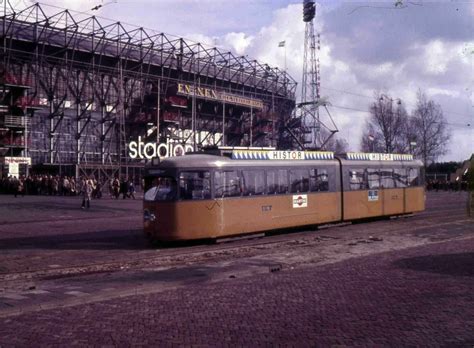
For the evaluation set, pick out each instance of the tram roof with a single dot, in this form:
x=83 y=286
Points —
x=205 y=160
x=272 y=158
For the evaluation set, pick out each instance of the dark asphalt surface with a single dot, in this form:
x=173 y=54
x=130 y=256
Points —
x=381 y=294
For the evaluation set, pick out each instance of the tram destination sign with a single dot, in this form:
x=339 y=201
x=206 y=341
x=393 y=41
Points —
x=361 y=156
x=281 y=155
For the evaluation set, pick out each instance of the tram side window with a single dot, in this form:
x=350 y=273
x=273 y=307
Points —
x=227 y=183
x=299 y=180
x=318 y=180
x=373 y=178
x=162 y=189
x=413 y=177
x=400 y=177
x=253 y=182
x=357 y=180
x=277 y=181
x=195 y=185
x=387 y=178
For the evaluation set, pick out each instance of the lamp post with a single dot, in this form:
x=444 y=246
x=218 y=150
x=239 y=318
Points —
x=390 y=120
x=412 y=146
x=384 y=96
x=371 y=140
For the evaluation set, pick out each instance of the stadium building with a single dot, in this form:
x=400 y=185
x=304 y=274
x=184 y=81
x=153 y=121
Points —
x=82 y=95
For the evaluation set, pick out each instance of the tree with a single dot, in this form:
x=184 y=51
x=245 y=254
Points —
x=386 y=129
x=428 y=129
x=333 y=142
x=337 y=145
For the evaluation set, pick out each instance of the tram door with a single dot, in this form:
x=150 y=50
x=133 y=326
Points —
x=393 y=194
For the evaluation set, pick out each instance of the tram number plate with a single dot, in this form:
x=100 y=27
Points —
x=373 y=195
x=266 y=208
x=300 y=201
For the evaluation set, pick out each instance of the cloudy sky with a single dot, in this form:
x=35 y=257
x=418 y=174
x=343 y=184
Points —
x=366 y=47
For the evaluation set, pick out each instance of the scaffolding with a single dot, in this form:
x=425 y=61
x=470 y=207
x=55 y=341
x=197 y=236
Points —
x=96 y=85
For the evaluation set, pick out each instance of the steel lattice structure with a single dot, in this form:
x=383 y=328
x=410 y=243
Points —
x=96 y=84
x=313 y=131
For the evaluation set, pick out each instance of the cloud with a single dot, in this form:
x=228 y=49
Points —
x=238 y=42
x=396 y=52
x=377 y=34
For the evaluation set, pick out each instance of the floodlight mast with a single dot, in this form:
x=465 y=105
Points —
x=310 y=80
x=311 y=124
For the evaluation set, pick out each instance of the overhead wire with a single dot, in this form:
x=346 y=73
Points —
x=368 y=112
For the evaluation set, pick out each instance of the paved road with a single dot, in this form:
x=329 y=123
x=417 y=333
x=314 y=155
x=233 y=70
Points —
x=398 y=282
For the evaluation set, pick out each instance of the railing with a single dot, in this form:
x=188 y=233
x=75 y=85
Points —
x=15 y=121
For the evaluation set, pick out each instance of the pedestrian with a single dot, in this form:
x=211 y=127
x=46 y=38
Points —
x=87 y=188
x=124 y=188
x=131 y=189
x=98 y=189
x=55 y=185
x=116 y=187
x=17 y=186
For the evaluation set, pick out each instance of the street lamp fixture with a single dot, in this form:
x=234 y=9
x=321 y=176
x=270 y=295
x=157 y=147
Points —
x=384 y=96
x=371 y=140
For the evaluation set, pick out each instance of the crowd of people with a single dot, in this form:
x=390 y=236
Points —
x=443 y=185
x=55 y=185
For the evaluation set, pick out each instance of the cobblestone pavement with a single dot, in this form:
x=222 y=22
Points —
x=420 y=296
x=72 y=277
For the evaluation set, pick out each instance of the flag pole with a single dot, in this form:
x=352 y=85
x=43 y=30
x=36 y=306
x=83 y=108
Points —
x=283 y=44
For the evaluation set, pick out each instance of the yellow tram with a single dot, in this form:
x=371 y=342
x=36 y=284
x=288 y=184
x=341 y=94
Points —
x=242 y=191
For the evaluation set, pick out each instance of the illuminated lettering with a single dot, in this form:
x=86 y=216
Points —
x=162 y=150
x=178 y=150
x=151 y=146
x=151 y=150
x=140 y=144
x=132 y=147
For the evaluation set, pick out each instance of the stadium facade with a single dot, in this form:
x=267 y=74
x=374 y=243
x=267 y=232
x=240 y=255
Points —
x=80 y=94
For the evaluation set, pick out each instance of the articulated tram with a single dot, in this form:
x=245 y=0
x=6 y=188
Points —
x=244 y=191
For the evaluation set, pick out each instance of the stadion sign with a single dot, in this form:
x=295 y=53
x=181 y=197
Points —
x=140 y=149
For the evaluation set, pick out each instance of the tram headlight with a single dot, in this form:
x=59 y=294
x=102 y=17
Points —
x=147 y=216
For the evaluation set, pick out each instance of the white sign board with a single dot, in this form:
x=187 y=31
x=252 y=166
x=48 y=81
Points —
x=17 y=160
x=14 y=170
x=300 y=201
x=373 y=195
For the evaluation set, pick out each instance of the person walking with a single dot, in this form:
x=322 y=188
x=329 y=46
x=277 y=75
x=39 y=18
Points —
x=18 y=188
x=131 y=189
x=124 y=188
x=116 y=187
x=87 y=189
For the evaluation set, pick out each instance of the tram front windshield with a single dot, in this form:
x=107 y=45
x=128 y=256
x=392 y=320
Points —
x=162 y=188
